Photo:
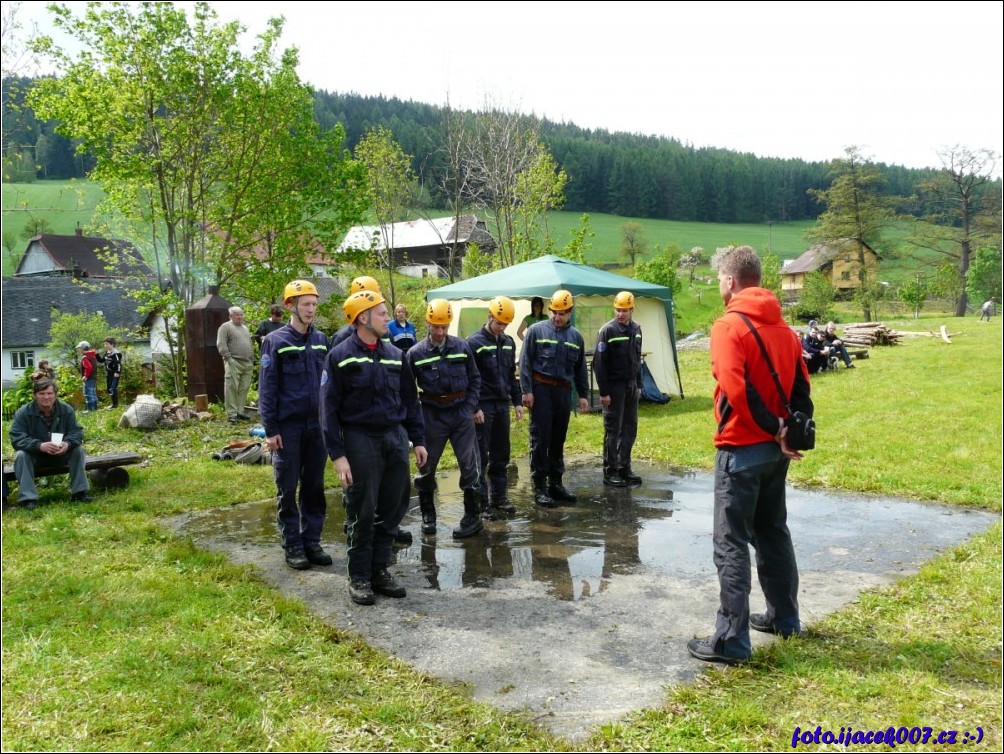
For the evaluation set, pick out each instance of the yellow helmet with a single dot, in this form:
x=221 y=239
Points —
x=439 y=312
x=503 y=309
x=364 y=283
x=298 y=288
x=359 y=302
x=562 y=301
x=624 y=300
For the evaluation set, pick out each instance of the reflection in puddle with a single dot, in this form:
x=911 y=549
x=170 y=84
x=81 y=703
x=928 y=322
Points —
x=574 y=550
x=664 y=527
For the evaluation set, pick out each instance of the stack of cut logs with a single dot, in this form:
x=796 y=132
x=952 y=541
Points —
x=172 y=413
x=867 y=334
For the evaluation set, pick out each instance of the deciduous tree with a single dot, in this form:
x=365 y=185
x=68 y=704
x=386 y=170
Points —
x=215 y=152
x=515 y=179
x=855 y=212
x=633 y=242
x=389 y=180
x=964 y=202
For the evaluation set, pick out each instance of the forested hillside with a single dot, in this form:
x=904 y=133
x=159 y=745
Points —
x=615 y=173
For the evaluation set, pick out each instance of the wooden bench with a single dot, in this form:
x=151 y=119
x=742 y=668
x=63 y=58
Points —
x=106 y=470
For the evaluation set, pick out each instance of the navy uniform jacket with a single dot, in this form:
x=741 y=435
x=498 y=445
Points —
x=618 y=355
x=289 y=376
x=496 y=361
x=554 y=353
x=371 y=390
x=447 y=371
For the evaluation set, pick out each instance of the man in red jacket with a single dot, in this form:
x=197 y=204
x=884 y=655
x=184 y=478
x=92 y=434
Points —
x=752 y=460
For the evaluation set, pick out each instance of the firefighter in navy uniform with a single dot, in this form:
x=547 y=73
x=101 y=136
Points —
x=367 y=283
x=552 y=360
x=369 y=412
x=495 y=355
x=292 y=359
x=361 y=283
x=617 y=368
x=449 y=384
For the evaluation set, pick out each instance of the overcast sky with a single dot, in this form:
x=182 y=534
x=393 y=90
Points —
x=899 y=80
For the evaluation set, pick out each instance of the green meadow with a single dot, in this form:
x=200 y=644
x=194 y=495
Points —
x=120 y=635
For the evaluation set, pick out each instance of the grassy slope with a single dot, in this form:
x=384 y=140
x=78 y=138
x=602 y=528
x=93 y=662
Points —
x=117 y=635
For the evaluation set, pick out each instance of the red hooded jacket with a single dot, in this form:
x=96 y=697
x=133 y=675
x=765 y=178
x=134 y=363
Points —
x=89 y=364
x=747 y=403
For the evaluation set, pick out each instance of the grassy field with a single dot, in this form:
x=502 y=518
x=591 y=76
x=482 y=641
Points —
x=786 y=239
x=65 y=204
x=119 y=635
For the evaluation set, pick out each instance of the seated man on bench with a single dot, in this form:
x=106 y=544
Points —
x=45 y=433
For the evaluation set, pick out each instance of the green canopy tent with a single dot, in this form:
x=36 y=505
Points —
x=594 y=292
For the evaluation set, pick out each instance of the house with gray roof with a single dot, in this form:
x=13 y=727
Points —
x=838 y=261
x=82 y=256
x=422 y=248
x=29 y=303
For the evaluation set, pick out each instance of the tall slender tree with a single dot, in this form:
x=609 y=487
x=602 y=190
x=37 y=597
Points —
x=965 y=211
x=389 y=182
x=856 y=214
x=215 y=152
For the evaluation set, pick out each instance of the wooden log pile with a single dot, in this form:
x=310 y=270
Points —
x=868 y=334
x=172 y=413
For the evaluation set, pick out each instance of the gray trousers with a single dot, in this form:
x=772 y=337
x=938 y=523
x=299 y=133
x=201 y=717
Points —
x=750 y=510
x=620 y=427
x=26 y=462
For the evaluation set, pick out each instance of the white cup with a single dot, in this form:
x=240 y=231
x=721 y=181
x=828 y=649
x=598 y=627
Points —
x=57 y=438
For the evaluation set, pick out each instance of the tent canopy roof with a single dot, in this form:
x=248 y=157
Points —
x=543 y=276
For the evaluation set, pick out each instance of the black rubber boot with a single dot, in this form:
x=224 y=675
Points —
x=470 y=524
x=427 y=504
x=540 y=496
x=559 y=492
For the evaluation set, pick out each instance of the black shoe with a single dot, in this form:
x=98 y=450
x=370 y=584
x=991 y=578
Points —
x=403 y=537
x=297 y=559
x=850 y=366
x=81 y=497
x=630 y=477
x=560 y=492
x=544 y=500
x=702 y=649
x=428 y=524
x=759 y=622
x=361 y=592
x=614 y=480
x=316 y=555
x=233 y=420
x=244 y=417
x=503 y=505
x=384 y=583
x=468 y=527
x=30 y=504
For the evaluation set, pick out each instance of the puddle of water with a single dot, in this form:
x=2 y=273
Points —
x=664 y=526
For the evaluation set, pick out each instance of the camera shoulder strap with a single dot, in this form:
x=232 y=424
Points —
x=766 y=356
